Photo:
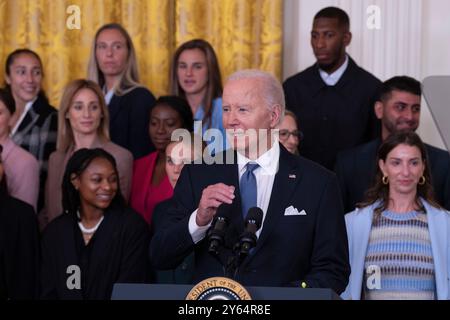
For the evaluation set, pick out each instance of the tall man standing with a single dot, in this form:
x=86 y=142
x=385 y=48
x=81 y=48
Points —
x=303 y=236
x=333 y=99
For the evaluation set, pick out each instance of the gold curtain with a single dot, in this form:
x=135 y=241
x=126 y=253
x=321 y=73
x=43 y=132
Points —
x=244 y=34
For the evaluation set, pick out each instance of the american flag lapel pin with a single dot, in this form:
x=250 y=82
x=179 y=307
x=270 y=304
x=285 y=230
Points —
x=292 y=176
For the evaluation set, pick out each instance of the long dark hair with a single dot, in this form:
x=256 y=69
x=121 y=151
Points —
x=380 y=191
x=10 y=60
x=79 y=161
x=214 y=84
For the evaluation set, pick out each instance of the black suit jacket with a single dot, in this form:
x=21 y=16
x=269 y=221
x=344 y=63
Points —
x=129 y=119
x=290 y=249
x=182 y=274
x=333 y=118
x=19 y=250
x=356 y=168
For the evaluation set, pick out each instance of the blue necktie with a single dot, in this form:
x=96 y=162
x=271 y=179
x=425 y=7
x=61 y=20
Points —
x=247 y=186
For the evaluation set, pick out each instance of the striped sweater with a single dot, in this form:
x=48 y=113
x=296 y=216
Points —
x=399 y=260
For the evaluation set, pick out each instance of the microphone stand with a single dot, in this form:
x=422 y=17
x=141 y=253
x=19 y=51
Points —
x=235 y=260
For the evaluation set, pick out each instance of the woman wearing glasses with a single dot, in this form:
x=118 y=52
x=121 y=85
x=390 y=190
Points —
x=290 y=136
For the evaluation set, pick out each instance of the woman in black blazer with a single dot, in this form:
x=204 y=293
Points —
x=19 y=246
x=97 y=241
x=113 y=65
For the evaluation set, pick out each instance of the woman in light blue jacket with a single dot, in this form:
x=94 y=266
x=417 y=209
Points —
x=399 y=242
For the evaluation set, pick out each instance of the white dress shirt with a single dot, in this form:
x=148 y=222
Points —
x=333 y=78
x=108 y=95
x=265 y=176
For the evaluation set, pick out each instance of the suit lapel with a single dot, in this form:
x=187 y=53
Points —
x=26 y=126
x=364 y=168
x=360 y=230
x=284 y=185
x=437 y=225
x=105 y=236
x=114 y=106
x=347 y=77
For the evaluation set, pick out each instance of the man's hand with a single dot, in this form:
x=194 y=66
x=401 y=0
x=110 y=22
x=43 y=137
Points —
x=212 y=197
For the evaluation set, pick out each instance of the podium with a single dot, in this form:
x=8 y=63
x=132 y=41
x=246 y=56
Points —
x=127 y=291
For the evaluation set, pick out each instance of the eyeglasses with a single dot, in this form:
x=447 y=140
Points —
x=285 y=134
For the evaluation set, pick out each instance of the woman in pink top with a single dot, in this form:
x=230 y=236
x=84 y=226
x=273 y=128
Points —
x=22 y=169
x=150 y=184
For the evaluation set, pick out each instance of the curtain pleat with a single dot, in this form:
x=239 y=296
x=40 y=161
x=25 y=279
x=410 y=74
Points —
x=244 y=34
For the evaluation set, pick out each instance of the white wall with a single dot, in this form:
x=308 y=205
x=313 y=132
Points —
x=435 y=56
x=413 y=39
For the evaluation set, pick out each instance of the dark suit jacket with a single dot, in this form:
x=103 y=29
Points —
x=356 y=168
x=182 y=274
x=19 y=250
x=118 y=252
x=129 y=118
x=311 y=247
x=333 y=118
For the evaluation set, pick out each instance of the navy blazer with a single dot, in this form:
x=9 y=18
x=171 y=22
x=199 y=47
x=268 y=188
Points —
x=356 y=169
x=333 y=118
x=182 y=274
x=290 y=249
x=129 y=116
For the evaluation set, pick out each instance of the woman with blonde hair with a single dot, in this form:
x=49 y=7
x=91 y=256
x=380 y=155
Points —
x=83 y=123
x=195 y=76
x=113 y=66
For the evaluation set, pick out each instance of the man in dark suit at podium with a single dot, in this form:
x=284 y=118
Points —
x=398 y=109
x=302 y=240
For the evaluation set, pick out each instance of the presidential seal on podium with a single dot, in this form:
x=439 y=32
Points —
x=218 y=288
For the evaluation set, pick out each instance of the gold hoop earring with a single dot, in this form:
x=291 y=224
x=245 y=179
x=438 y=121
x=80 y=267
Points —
x=385 y=180
x=422 y=180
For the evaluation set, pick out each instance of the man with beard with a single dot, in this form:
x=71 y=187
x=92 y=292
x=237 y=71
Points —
x=399 y=110
x=332 y=99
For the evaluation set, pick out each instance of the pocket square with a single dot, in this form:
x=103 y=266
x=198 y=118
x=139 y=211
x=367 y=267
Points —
x=291 y=211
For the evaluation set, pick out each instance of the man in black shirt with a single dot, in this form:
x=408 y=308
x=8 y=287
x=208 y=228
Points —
x=333 y=99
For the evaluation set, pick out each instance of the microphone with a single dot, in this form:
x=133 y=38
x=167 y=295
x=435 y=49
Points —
x=248 y=239
x=216 y=233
